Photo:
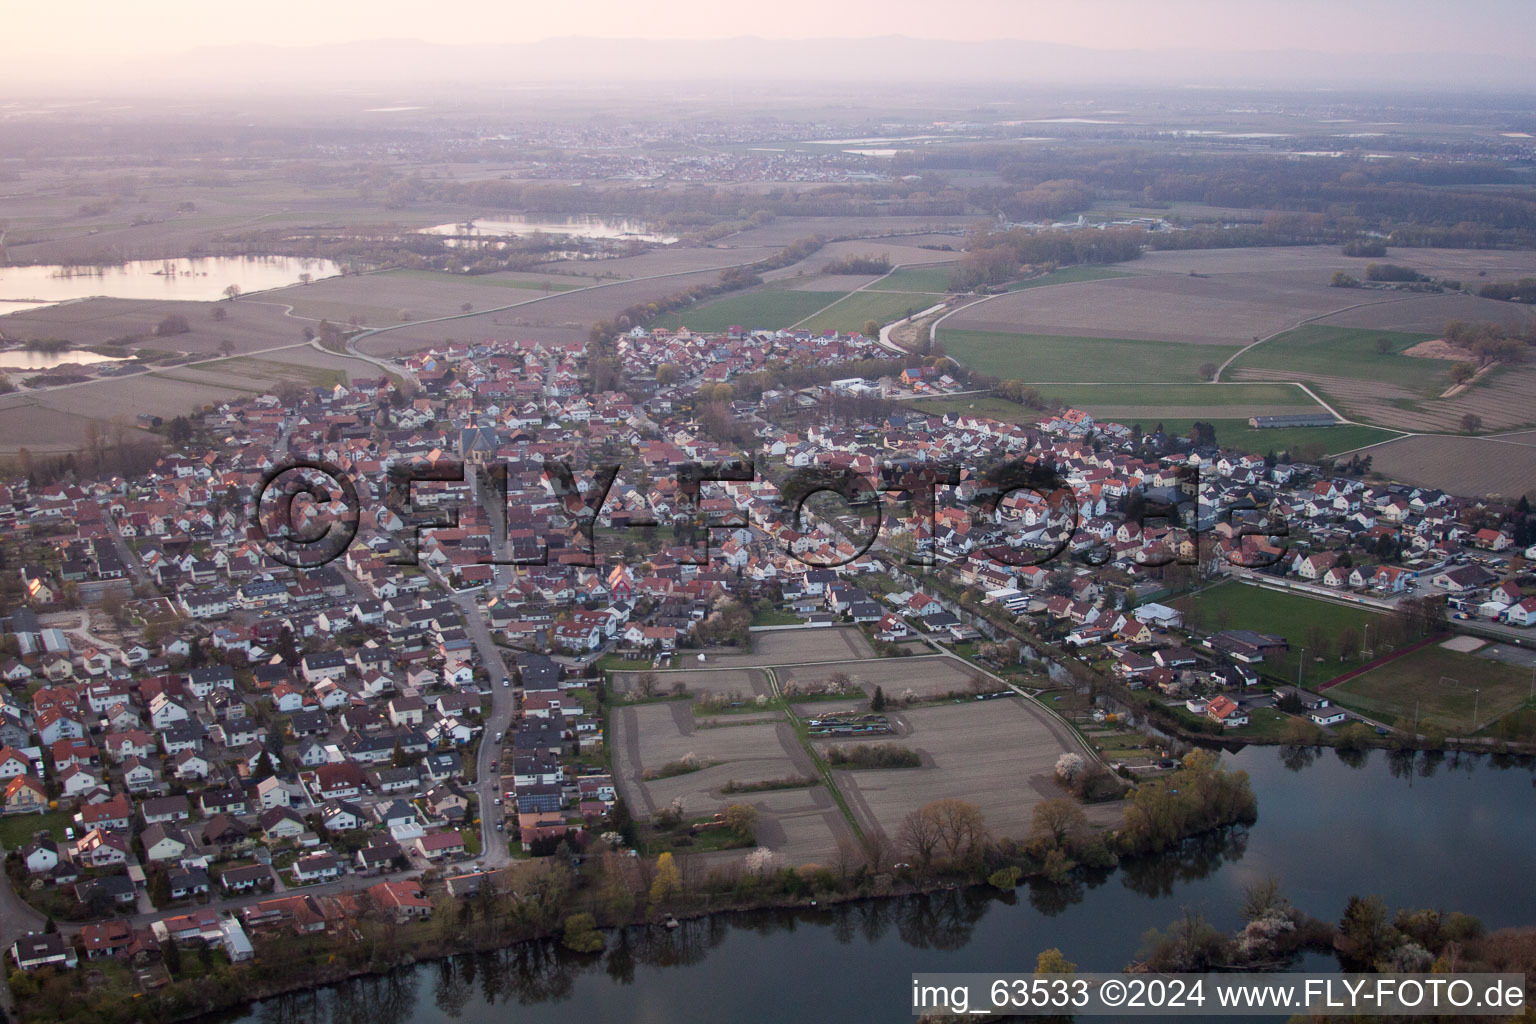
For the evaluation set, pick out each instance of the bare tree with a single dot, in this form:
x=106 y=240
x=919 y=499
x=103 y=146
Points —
x=920 y=835
x=962 y=827
x=1058 y=821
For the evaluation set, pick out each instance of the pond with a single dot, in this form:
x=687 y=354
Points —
x=194 y=279
x=1418 y=830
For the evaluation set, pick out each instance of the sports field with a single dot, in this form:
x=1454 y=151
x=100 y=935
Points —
x=1234 y=605
x=1441 y=685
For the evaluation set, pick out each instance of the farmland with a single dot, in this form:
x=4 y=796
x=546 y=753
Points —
x=1067 y=275
x=1095 y=397
x=901 y=678
x=803 y=825
x=1058 y=358
x=1464 y=465
x=850 y=313
x=1005 y=748
x=1346 y=352
x=1219 y=310
x=1301 y=620
x=773 y=309
x=915 y=279
x=1437 y=684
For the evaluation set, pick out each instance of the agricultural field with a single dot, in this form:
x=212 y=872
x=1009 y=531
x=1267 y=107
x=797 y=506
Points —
x=1462 y=465
x=1057 y=358
x=916 y=279
x=1143 y=403
x=773 y=309
x=796 y=647
x=1068 y=275
x=802 y=825
x=1438 y=684
x=850 y=313
x=1328 y=351
x=1427 y=314
x=744 y=683
x=248 y=326
x=1219 y=310
x=918 y=678
x=55 y=419
x=1006 y=749
x=1463 y=264
x=1233 y=605
x=565 y=318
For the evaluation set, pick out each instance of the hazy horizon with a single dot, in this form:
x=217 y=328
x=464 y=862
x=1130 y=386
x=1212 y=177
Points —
x=1300 y=43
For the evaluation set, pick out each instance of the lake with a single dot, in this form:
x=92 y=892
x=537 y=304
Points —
x=21 y=359
x=1417 y=830
x=192 y=279
x=576 y=225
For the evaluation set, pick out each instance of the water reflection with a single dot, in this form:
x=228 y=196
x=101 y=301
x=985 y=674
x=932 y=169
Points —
x=1388 y=826
x=1196 y=858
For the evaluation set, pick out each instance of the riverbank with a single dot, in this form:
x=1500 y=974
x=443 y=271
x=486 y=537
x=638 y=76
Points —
x=540 y=900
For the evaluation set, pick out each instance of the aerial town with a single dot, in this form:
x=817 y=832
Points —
x=199 y=743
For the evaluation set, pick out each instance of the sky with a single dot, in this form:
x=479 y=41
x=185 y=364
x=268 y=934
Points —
x=94 y=28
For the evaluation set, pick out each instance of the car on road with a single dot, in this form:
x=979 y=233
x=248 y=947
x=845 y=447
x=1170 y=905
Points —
x=498 y=801
x=501 y=826
x=498 y=737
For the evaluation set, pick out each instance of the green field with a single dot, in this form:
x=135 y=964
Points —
x=1440 y=684
x=1197 y=396
x=1237 y=434
x=882 y=307
x=1348 y=352
x=1068 y=275
x=915 y=279
x=1240 y=606
x=1044 y=357
x=773 y=309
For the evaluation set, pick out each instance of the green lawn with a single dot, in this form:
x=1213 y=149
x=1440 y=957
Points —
x=1045 y=357
x=1440 y=685
x=1349 y=352
x=766 y=616
x=1239 y=606
x=882 y=307
x=915 y=279
x=1068 y=275
x=773 y=309
x=1236 y=433
x=16 y=830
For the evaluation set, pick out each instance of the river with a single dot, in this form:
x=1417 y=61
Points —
x=1417 y=830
